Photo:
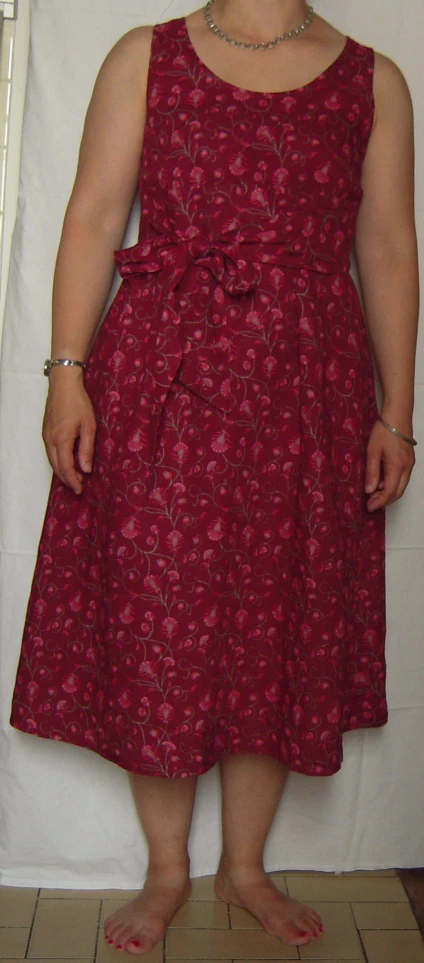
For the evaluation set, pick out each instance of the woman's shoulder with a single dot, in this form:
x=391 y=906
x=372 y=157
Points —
x=127 y=61
x=391 y=90
x=387 y=71
x=134 y=41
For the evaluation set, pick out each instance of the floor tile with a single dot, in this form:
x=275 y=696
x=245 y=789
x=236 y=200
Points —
x=17 y=905
x=227 y=944
x=383 y=889
x=340 y=940
x=202 y=914
x=241 y=919
x=384 y=916
x=169 y=960
x=203 y=888
x=64 y=928
x=88 y=893
x=214 y=913
x=110 y=906
x=108 y=954
x=393 y=946
x=13 y=942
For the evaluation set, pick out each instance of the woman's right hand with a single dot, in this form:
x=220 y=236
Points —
x=68 y=414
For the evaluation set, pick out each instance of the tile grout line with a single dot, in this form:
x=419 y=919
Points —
x=37 y=900
x=359 y=934
x=96 y=945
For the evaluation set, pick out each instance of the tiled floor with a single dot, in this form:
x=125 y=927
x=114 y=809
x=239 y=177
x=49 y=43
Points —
x=367 y=919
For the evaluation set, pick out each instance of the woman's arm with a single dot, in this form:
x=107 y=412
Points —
x=94 y=224
x=385 y=241
x=386 y=252
x=102 y=196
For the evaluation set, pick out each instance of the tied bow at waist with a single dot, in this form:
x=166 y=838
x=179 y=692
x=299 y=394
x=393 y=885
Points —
x=237 y=268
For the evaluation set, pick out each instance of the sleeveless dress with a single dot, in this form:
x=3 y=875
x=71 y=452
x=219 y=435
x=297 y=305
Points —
x=219 y=585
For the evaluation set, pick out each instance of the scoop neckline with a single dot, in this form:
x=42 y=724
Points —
x=265 y=93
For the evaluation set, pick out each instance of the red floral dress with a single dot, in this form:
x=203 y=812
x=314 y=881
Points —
x=219 y=586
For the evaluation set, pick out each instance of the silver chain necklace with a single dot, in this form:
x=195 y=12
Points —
x=255 y=46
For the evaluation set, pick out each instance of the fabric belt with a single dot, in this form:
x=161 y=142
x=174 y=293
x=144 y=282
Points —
x=236 y=266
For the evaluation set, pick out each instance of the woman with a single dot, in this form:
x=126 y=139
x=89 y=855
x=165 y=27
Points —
x=210 y=578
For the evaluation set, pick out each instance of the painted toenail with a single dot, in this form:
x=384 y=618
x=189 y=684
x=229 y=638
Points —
x=136 y=942
x=303 y=932
x=119 y=946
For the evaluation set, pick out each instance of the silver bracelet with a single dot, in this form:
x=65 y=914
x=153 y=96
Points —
x=66 y=361
x=396 y=432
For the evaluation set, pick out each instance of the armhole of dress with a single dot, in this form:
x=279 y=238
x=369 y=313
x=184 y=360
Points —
x=149 y=84
x=369 y=64
x=150 y=71
x=372 y=100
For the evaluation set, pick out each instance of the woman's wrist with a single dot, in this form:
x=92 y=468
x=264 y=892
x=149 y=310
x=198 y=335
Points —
x=61 y=373
x=399 y=416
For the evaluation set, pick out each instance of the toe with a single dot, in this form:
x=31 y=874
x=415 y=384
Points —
x=136 y=945
x=314 y=916
x=297 y=934
x=314 y=924
x=117 y=936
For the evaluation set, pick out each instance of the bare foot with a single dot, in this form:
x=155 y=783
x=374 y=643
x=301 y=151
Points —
x=140 y=924
x=280 y=915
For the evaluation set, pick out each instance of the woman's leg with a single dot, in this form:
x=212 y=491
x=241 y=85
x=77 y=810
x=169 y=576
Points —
x=251 y=790
x=165 y=808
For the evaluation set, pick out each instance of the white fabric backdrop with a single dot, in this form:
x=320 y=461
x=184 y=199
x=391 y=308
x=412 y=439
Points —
x=67 y=815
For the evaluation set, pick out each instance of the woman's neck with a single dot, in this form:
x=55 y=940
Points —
x=258 y=20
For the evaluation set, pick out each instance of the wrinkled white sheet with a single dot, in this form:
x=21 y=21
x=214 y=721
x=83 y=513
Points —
x=67 y=816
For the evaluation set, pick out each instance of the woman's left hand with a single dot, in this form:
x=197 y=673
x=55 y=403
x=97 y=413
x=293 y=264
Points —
x=397 y=458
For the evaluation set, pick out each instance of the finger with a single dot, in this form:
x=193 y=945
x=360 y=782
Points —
x=404 y=480
x=373 y=469
x=66 y=466
x=86 y=446
x=392 y=476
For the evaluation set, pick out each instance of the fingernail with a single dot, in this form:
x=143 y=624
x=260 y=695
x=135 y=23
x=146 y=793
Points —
x=369 y=488
x=87 y=466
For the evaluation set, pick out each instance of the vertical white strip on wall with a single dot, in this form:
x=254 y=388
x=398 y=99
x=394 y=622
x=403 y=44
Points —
x=13 y=73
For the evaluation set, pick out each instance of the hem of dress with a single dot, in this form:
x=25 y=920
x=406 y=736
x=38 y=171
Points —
x=200 y=772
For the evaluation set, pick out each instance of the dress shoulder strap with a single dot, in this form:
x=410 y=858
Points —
x=358 y=82
x=164 y=62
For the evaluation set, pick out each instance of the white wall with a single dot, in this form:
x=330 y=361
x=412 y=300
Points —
x=13 y=75
x=67 y=816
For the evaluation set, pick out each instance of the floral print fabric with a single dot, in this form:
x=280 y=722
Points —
x=219 y=586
